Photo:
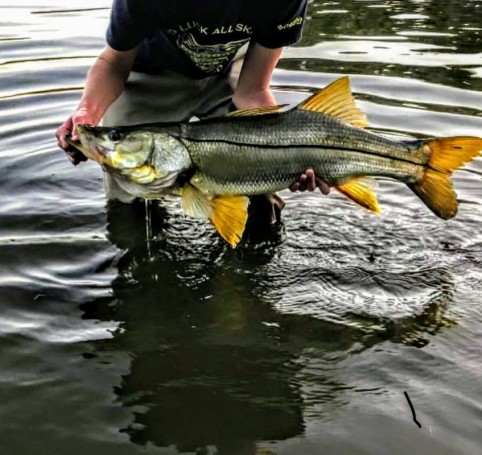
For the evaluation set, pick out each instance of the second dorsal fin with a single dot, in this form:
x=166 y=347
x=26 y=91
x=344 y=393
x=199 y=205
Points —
x=250 y=111
x=336 y=100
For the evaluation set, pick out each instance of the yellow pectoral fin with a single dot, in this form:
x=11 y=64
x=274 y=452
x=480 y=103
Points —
x=228 y=214
x=361 y=191
x=194 y=202
x=336 y=100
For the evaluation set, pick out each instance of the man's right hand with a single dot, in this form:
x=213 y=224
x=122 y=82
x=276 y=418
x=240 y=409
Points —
x=68 y=129
x=105 y=82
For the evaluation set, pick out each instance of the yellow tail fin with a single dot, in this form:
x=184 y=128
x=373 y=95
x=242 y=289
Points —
x=445 y=157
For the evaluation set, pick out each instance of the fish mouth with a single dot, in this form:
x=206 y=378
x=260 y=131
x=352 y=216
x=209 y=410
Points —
x=77 y=145
x=90 y=148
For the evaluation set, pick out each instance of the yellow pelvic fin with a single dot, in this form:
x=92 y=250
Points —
x=360 y=190
x=448 y=154
x=336 y=100
x=228 y=214
x=445 y=157
x=256 y=111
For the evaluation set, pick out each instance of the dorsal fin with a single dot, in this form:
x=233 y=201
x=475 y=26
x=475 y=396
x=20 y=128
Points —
x=360 y=190
x=250 y=111
x=336 y=100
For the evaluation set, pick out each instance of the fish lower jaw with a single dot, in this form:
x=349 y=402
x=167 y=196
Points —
x=95 y=152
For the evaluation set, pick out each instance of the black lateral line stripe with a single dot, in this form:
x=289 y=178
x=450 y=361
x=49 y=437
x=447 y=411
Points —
x=326 y=147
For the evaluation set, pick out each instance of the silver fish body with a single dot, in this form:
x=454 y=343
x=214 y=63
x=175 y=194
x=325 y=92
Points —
x=250 y=156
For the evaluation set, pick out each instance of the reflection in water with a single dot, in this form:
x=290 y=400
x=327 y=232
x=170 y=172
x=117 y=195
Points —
x=393 y=38
x=214 y=365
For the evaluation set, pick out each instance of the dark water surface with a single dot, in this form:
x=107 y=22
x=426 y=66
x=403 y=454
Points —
x=301 y=343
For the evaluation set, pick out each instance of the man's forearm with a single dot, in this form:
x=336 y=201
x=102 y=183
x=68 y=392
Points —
x=105 y=82
x=254 y=81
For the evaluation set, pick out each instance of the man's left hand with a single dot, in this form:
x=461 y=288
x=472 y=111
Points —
x=309 y=181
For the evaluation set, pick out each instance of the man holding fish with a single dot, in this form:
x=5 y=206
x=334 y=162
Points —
x=169 y=61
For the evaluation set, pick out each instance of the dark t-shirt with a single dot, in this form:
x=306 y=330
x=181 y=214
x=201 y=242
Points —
x=199 y=38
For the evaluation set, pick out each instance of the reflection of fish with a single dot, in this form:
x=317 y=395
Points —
x=217 y=162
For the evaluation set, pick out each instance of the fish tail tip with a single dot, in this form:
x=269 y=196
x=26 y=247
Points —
x=436 y=191
x=448 y=154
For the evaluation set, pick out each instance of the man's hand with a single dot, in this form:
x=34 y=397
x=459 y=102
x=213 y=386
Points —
x=81 y=116
x=105 y=82
x=253 y=90
x=256 y=98
x=309 y=181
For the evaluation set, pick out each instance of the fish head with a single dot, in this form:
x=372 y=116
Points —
x=139 y=154
x=118 y=148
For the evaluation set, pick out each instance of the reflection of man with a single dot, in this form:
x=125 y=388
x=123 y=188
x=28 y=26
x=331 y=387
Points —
x=214 y=360
x=205 y=370
x=170 y=60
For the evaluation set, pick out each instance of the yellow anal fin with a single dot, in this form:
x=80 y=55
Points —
x=229 y=215
x=360 y=191
x=256 y=111
x=448 y=154
x=336 y=100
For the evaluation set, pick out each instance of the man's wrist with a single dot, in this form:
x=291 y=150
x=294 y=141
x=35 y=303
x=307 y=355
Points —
x=254 y=98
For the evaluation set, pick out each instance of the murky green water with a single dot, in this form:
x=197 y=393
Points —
x=300 y=342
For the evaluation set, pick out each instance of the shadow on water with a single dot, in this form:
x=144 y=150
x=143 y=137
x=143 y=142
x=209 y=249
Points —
x=214 y=364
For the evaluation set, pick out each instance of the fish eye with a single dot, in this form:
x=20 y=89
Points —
x=115 y=136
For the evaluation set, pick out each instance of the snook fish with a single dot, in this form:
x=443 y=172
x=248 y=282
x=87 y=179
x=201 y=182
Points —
x=216 y=163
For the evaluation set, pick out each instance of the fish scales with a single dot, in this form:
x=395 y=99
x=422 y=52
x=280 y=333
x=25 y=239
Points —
x=240 y=169
x=250 y=156
x=296 y=128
